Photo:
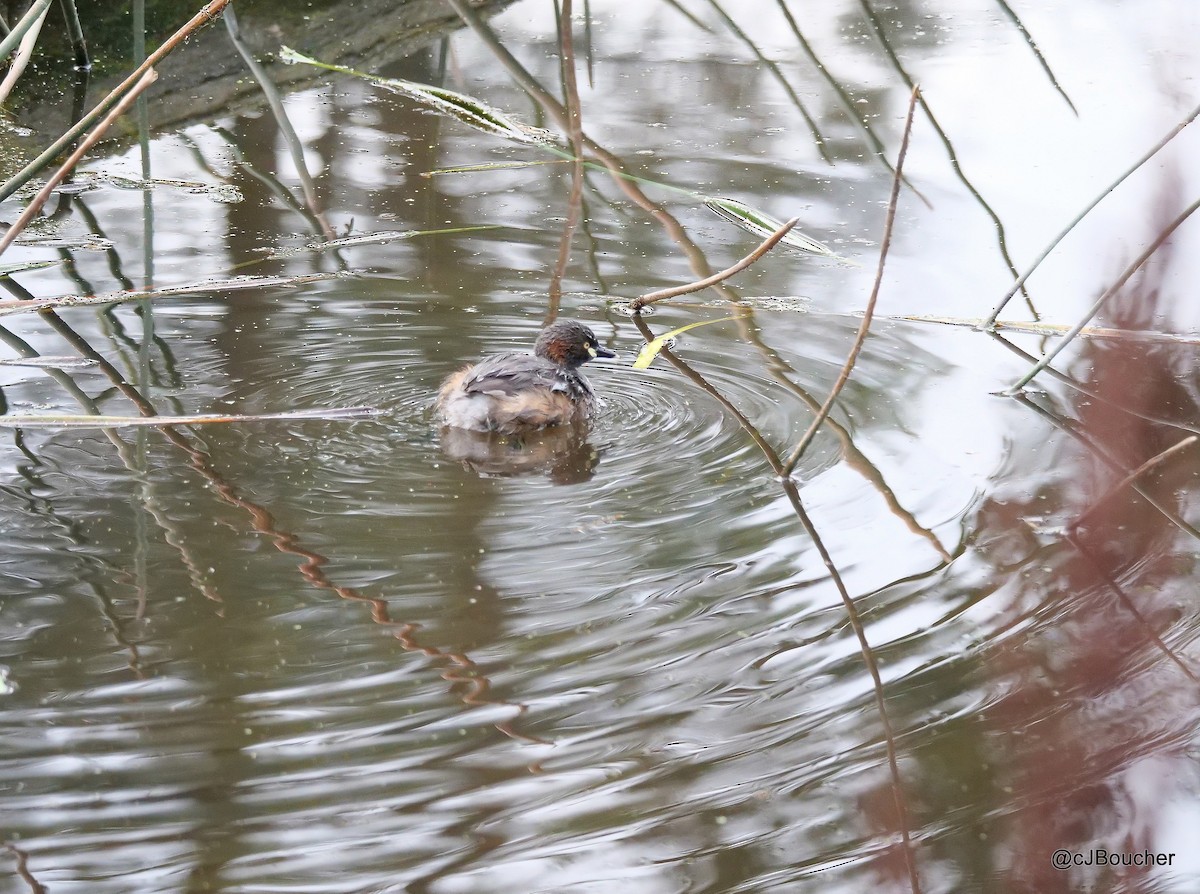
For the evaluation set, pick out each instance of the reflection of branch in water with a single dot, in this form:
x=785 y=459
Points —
x=1020 y=26
x=35 y=887
x=899 y=800
x=1133 y=476
x=118 y=333
x=1109 y=460
x=273 y=185
x=575 y=134
x=1130 y=607
x=1002 y=239
x=679 y=8
x=460 y=668
x=844 y=98
x=172 y=534
x=774 y=69
x=271 y=94
x=793 y=495
x=854 y=458
x=527 y=82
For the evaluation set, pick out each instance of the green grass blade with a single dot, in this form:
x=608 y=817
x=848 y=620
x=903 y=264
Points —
x=763 y=225
x=464 y=108
x=28 y=265
x=651 y=349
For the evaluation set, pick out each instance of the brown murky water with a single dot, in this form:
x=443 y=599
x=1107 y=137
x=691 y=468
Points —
x=365 y=655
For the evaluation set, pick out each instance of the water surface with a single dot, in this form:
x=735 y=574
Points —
x=361 y=655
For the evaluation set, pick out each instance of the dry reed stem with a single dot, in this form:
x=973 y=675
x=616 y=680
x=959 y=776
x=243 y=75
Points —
x=868 y=314
x=1154 y=150
x=204 y=17
x=74 y=158
x=20 y=59
x=1112 y=290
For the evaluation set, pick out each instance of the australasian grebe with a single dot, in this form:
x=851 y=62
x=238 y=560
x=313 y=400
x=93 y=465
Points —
x=510 y=393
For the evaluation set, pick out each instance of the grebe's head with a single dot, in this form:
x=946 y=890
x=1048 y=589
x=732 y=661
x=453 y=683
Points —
x=569 y=344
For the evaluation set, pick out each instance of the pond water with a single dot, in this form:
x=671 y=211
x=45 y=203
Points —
x=364 y=654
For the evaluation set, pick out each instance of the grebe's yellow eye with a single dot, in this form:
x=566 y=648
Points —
x=591 y=351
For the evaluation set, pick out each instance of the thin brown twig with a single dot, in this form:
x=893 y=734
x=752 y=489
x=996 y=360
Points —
x=1133 y=476
x=575 y=134
x=68 y=166
x=868 y=314
x=35 y=886
x=675 y=291
x=763 y=445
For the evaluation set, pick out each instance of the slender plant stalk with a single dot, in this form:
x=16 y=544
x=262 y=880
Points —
x=1103 y=299
x=1154 y=150
x=69 y=165
x=34 y=15
x=575 y=135
x=1133 y=476
x=675 y=291
x=21 y=58
x=868 y=314
x=83 y=61
x=204 y=17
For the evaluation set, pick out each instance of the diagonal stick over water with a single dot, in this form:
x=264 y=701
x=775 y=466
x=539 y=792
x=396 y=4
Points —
x=204 y=17
x=1154 y=150
x=83 y=149
x=1103 y=299
x=844 y=375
